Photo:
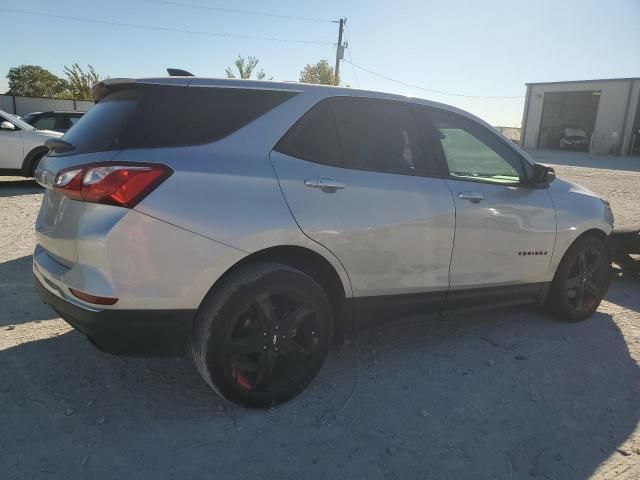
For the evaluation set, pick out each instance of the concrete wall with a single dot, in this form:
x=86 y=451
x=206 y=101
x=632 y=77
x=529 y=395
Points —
x=608 y=136
x=25 y=105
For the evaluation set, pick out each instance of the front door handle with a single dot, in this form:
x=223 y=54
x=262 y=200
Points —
x=325 y=184
x=473 y=197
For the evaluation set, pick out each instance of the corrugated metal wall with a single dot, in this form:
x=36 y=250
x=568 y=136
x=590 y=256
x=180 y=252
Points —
x=24 y=105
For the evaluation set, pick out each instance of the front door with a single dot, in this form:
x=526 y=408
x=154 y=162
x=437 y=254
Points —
x=354 y=175
x=11 y=148
x=505 y=230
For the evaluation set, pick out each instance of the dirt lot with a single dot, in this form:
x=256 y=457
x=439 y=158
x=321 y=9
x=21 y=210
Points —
x=502 y=395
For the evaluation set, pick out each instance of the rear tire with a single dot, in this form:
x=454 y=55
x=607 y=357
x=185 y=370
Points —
x=262 y=334
x=581 y=280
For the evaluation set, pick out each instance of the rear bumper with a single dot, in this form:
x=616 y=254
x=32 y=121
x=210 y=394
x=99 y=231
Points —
x=125 y=332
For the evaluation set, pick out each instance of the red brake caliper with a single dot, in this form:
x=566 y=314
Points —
x=242 y=380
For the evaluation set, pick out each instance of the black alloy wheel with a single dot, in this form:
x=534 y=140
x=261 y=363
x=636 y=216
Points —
x=586 y=280
x=581 y=280
x=262 y=335
x=272 y=343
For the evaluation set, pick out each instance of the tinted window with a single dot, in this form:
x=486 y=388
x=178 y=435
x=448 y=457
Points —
x=357 y=133
x=28 y=118
x=62 y=123
x=314 y=137
x=45 y=123
x=160 y=116
x=172 y=116
x=100 y=126
x=378 y=135
x=473 y=152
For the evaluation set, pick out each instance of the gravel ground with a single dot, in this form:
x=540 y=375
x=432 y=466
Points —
x=503 y=395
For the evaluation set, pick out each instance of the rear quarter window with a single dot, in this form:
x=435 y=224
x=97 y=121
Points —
x=166 y=116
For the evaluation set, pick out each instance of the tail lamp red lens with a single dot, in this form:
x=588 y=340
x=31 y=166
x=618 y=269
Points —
x=111 y=183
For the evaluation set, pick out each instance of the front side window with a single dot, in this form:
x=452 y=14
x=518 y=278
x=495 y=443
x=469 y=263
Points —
x=473 y=153
x=358 y=133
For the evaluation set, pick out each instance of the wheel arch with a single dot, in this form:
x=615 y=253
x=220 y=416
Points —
x=29 y=160
x=317 y=267
x=563 y=247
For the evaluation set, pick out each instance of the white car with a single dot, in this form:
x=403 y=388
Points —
x=21 y=145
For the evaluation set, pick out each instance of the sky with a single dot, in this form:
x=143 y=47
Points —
x=480 y=48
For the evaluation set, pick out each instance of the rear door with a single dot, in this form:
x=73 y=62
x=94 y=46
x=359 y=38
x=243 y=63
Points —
x=505 y=229
x=355 y=174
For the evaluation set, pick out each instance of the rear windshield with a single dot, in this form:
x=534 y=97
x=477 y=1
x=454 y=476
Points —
x=165 y=116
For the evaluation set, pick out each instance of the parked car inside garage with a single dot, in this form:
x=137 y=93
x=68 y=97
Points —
x=574 y=138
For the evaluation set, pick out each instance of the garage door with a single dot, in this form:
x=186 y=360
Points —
x=568 y=120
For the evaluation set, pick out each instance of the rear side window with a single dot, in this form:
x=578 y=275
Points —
x=164 y=116
x=378 y=135
x=358 y=133
x=314 y=137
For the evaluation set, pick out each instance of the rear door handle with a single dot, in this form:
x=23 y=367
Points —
x=473 y=197
x=325 y=184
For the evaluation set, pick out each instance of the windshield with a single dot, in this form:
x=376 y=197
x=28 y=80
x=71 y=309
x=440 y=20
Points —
x=16 y=121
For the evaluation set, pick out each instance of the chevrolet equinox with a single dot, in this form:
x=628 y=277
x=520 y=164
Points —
x=254 y=223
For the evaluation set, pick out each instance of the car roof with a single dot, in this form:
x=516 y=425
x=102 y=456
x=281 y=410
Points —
x=102 y=87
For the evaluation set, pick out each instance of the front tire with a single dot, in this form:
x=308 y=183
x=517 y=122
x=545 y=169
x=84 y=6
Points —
x=581 y=280
x=262 y=335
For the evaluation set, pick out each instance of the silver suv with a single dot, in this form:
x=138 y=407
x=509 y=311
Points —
x=255 y=223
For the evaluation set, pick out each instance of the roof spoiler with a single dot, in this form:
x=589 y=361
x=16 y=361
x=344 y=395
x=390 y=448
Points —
x=177 y=72
x=103 y=87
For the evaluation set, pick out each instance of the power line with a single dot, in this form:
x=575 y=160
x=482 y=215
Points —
x=440 y=92
x=163 y=29
x=353 y=68
x=240 y=12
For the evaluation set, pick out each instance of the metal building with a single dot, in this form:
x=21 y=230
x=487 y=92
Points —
x=599 y=116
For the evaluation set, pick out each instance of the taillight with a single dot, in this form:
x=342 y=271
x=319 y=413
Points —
x=112 y=183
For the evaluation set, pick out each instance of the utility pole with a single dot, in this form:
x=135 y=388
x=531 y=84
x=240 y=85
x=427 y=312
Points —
x=339 y=50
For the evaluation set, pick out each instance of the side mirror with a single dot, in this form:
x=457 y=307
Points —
x=7 y=126
x=543 y=175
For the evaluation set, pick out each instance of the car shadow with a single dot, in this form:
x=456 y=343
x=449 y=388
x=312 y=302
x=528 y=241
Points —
x=501 y=395
x=14 y=188
x=626 y=293
x=19 y=302
x=584 y=159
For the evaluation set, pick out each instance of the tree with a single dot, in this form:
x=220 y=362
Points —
x=320 y=73
x=245 y=68
x=34 y=81
x=79 y=82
